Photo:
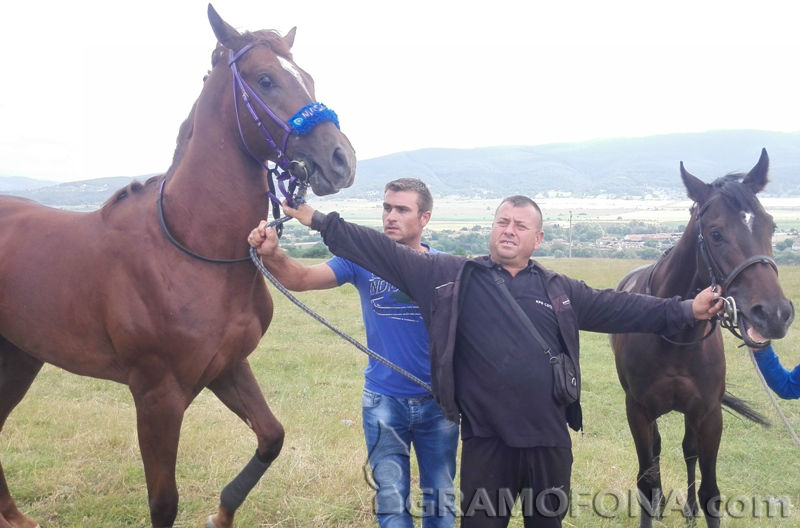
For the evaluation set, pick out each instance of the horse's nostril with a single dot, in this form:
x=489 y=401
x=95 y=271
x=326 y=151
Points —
x=339 y=159
x=786 y=312
x=340 y=163
x=758 y=314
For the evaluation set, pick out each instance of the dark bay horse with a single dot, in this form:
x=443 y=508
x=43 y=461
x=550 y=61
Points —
x=106 y=294
x=728 y=242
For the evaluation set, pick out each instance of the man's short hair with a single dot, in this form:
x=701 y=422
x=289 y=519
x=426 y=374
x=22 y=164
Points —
x=424 y=198
x=519 y=200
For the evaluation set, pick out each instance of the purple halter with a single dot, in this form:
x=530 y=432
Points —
x=301 y=123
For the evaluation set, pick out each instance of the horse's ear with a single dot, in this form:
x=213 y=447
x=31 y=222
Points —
x=696 y=189
x=289 y=38
x=226 y=34
x=756 y=179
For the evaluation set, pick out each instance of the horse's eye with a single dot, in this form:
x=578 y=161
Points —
x=264 y=82
x=716 y=236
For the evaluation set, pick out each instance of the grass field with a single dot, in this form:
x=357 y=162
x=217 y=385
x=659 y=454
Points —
x=71 y=456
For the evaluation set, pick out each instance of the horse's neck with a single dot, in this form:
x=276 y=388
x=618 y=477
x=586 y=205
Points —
x=214 y=193
x=677 y=273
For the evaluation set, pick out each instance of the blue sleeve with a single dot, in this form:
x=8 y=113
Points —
x=785 y=384
x=343 y=269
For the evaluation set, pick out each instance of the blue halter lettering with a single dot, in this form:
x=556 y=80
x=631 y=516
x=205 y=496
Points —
x=310 y=116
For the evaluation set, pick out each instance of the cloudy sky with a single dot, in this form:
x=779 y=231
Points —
x=93 y=89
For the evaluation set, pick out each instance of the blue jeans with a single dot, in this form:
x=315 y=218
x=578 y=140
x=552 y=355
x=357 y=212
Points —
x=391 y=425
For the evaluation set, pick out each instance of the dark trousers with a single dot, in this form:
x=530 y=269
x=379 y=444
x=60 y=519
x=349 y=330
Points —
x=494 y=475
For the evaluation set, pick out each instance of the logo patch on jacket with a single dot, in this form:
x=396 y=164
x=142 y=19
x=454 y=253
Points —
x=562 y=304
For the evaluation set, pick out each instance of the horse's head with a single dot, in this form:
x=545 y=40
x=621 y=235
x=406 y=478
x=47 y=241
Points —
x=734 y=235
x=276 y=113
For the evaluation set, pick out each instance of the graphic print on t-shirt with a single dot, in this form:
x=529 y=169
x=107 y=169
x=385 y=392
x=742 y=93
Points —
x=388 y=301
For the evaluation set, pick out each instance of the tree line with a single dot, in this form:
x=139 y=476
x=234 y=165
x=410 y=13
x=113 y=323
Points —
x=300 y=242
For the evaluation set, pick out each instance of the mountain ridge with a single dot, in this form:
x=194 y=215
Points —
x=618 y=167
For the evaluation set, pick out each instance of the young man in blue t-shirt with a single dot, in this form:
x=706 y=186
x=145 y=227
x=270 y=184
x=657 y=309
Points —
x=396 y=411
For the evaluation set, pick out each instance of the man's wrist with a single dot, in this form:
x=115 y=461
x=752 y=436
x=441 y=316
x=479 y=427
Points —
x=317 y=220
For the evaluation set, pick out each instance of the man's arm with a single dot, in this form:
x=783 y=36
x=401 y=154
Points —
x=288 y=271
x=618 y=312
x=784 y=383
x=407 y=269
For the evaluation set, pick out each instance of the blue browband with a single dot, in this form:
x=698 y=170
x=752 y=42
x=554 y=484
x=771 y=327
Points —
x=310 y=116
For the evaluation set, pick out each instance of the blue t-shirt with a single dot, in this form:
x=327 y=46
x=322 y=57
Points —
x=395 y=330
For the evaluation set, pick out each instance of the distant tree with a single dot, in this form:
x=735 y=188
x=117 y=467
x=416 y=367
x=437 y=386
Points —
x=587 y=232
x=648 y=253
x=316 y=251
x=787 y=257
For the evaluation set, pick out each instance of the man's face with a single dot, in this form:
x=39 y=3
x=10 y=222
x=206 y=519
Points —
x=516 y=234
x=401 y=219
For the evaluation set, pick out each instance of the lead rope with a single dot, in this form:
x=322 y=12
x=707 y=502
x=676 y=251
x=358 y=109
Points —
x=774 y=401
x=374 y=355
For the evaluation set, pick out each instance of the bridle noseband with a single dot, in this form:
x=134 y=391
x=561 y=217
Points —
x=292 y=186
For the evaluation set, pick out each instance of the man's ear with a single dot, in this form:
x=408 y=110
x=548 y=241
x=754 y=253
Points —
x=424 y=218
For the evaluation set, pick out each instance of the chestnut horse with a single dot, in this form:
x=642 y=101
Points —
x=727 y=242
x=119 y=301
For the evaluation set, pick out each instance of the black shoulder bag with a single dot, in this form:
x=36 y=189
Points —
x=566 y=387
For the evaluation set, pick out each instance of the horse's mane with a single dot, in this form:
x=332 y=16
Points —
x=133 y=187
x=269 y=36
x=740 y=195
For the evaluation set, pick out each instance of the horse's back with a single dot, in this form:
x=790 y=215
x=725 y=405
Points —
x=636 y=280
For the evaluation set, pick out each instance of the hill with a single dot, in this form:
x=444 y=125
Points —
x=86 y=194
x=621 y=167
x=10 y=184
x=614 y=167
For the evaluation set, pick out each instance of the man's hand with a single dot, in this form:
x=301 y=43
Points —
x=302 y=214
x=264 y=239
x=707 y=304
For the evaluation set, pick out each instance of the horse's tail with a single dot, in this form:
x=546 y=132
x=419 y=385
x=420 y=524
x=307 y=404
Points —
x=743 y=408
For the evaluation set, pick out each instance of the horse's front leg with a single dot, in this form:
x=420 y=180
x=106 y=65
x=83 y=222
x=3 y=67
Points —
x=239 y=391
x=648 y=447
x=159 y=413
x=709 y=435
x=690 y=509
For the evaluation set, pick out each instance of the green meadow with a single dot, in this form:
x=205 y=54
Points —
x=71 y=456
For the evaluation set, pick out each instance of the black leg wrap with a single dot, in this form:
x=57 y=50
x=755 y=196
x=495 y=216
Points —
x=233 y=494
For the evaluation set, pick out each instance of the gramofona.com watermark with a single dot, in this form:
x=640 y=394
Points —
x=555 y=502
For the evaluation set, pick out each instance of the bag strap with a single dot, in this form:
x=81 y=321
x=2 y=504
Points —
x=465 y=275
x=523 y=317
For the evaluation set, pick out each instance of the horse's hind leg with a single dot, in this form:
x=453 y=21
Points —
x=648 y=448
x=239 y=391
x=17 y=372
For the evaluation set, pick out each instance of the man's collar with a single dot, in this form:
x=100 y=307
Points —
x=487 y=262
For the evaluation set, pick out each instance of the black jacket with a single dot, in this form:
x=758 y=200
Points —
x=433 y=282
